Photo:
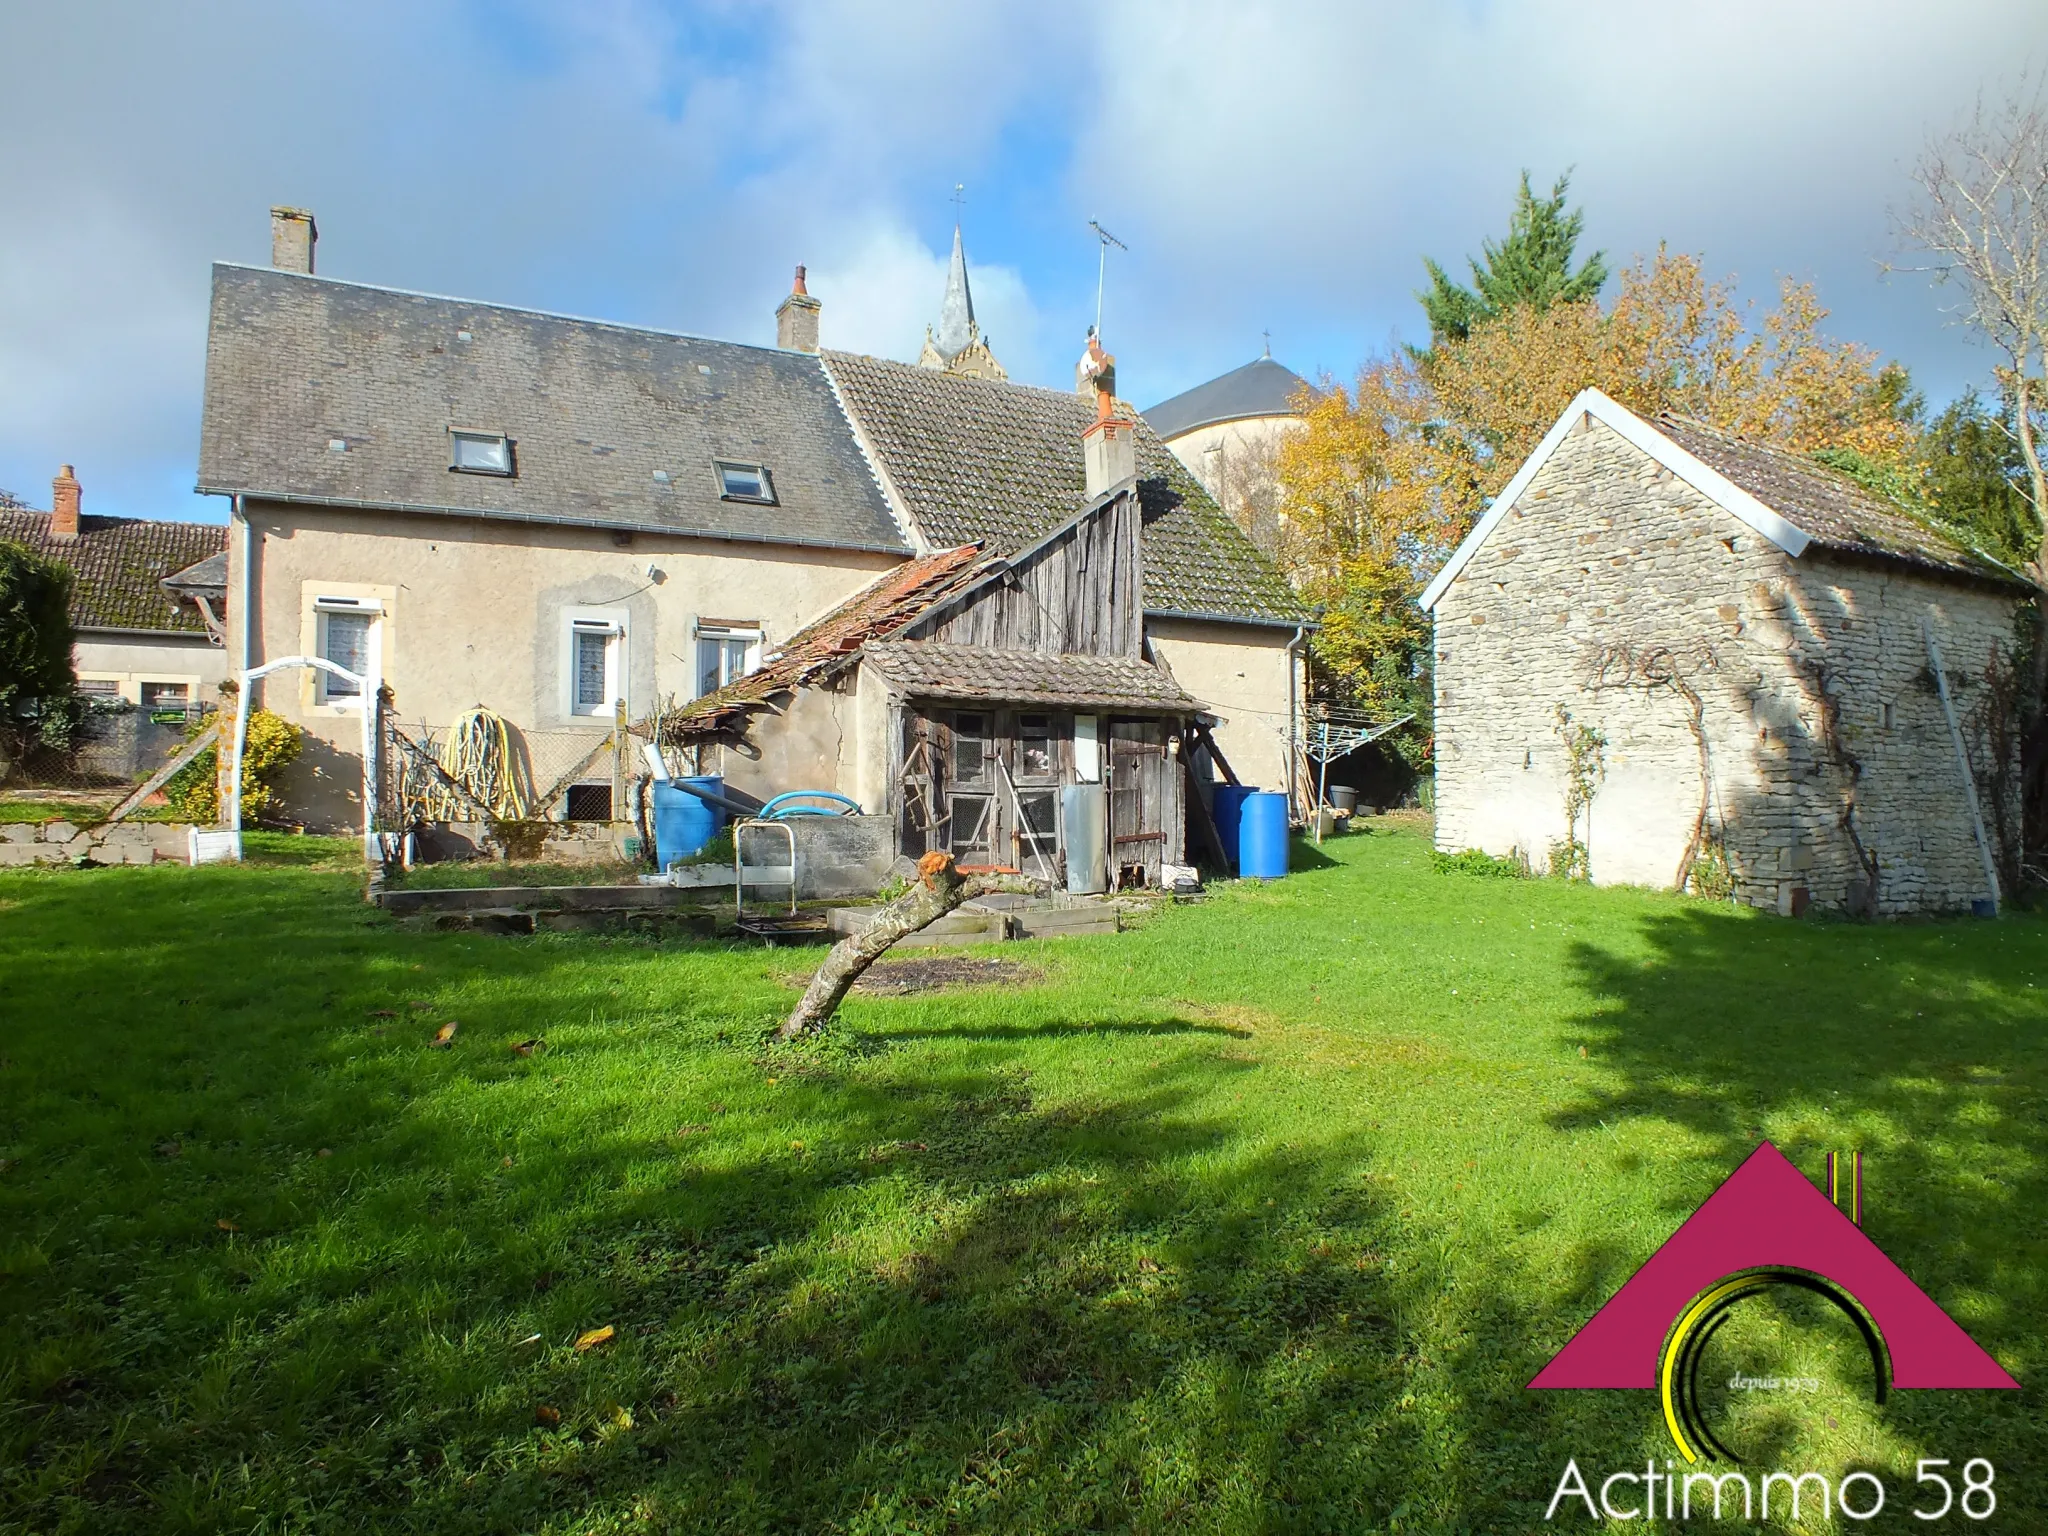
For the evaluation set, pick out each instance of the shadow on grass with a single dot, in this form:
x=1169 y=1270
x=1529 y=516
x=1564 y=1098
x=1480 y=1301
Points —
x=1922 y=1045
x=901 y=1291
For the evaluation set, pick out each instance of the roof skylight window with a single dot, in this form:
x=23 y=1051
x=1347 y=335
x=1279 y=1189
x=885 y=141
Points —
x=480 y=453
x=745 y=482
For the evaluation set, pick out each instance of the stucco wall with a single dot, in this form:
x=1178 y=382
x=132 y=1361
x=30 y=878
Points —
x=1207 y=451
x=477 y=612
x=129 y=661
x=1240 y=673
x=1816 y=700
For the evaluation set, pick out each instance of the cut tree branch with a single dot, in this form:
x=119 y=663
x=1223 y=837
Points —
x=938 y=890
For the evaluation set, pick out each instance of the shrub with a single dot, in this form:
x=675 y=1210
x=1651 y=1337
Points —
x=272 y=744
x=38 y=690
x=1471 y=861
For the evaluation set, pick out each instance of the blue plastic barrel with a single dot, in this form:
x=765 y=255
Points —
x=683 y=823
x=1262 y=836
x=1229 y=811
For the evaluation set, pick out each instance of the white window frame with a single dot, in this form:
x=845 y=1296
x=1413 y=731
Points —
x=723 y=630
x=326 y=606
x=611 y=623
x=459 y=435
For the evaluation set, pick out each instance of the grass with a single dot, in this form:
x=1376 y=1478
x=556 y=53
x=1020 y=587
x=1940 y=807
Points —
x=1256 y=1219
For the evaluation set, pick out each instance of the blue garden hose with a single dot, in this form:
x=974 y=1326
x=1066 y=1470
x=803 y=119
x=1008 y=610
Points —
x=777 y=810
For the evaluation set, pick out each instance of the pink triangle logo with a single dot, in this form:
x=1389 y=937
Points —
x=1767 y=1218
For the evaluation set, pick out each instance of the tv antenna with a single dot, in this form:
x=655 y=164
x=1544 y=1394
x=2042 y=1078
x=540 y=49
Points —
x=1105 y=240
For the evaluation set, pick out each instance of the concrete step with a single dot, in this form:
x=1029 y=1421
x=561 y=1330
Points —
x=538 y=898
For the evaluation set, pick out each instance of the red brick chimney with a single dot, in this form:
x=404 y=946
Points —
x=796 y=319
x=64 y=505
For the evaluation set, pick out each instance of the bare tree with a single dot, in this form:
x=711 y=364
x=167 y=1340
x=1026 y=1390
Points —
x=1981 y=219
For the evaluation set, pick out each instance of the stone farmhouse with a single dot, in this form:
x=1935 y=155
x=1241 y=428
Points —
x=561 y=519
x=1673 y=657
x=146 y=598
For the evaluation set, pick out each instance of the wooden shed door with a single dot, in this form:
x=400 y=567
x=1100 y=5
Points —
x=1137 y=797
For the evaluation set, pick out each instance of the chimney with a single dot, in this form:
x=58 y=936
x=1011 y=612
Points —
x=64 y=505
x=1109 y=450
x=293 y=234
x=796 y=319
x=1109 y=447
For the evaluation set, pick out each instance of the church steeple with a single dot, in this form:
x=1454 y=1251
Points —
x=956 y=315
x=956 y=346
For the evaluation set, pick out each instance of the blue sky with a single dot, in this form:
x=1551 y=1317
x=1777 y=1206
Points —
x=1277 y=167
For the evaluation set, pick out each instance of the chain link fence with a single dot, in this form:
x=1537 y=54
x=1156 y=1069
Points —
x=115 y=746
x=500 y=772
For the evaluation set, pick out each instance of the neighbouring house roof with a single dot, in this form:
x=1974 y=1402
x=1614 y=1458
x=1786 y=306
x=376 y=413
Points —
x=610 y=425
x=884 y=607
x=1791 y=500
x=1261 y=387
x=931 y=669
x=208 y=577
x=974 y=461
x=118 y=567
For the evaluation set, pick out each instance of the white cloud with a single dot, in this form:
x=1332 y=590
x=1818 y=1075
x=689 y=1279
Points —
x=1271 y=165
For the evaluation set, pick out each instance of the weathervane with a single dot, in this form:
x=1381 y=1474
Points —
x=1105 y=240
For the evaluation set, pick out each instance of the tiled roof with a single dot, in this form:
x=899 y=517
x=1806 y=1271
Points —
x=930 y=669
x=1000 y=464
x=118 y=565
x=1261 y=387
x=888 y=603
x=610 y=425
x=1827 y=506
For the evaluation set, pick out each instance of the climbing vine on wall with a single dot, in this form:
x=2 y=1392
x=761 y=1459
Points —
x=1704 y=867
x=1585 y=752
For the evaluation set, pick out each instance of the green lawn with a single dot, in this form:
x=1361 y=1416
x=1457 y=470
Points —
x=1257 y=1219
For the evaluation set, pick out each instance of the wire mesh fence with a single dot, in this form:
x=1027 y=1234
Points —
x=487 y=769
x=114 y=748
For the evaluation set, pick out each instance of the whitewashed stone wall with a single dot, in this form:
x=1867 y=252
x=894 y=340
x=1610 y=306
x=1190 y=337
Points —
x=1806 y=670
x=65 y=842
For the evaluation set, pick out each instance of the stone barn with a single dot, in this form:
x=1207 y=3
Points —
x=1672 y=657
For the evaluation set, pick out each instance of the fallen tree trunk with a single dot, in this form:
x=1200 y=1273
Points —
x=938 y=890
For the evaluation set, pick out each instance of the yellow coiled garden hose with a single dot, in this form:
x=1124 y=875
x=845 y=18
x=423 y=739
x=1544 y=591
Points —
x=480 y=755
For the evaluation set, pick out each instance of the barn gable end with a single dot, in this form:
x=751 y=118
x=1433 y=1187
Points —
x=1767 y=720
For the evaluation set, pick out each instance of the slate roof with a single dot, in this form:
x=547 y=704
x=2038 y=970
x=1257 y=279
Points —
x=209 y=575
x=118 y=565
x=976 y=461
x=1827 y=506
x=595 y=412
x=930 y=669
x=1261 y=387
x=885 y=606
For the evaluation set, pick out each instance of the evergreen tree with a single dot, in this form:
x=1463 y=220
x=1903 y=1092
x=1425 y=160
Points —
x=1532 y=266
x=1974 y=477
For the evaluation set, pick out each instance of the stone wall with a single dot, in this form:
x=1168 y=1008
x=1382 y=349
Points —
x=65 y=842
x=1611 y=590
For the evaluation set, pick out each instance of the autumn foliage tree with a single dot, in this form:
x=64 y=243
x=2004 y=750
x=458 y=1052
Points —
x=1391 y=473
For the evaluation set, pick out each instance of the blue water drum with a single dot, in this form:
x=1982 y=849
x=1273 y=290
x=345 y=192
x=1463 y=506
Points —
x=1229 y=810
x=684 y=823
x=1262 y=836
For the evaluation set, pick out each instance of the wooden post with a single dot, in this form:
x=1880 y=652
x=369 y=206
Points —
x=619 y=748
x=223 y=750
